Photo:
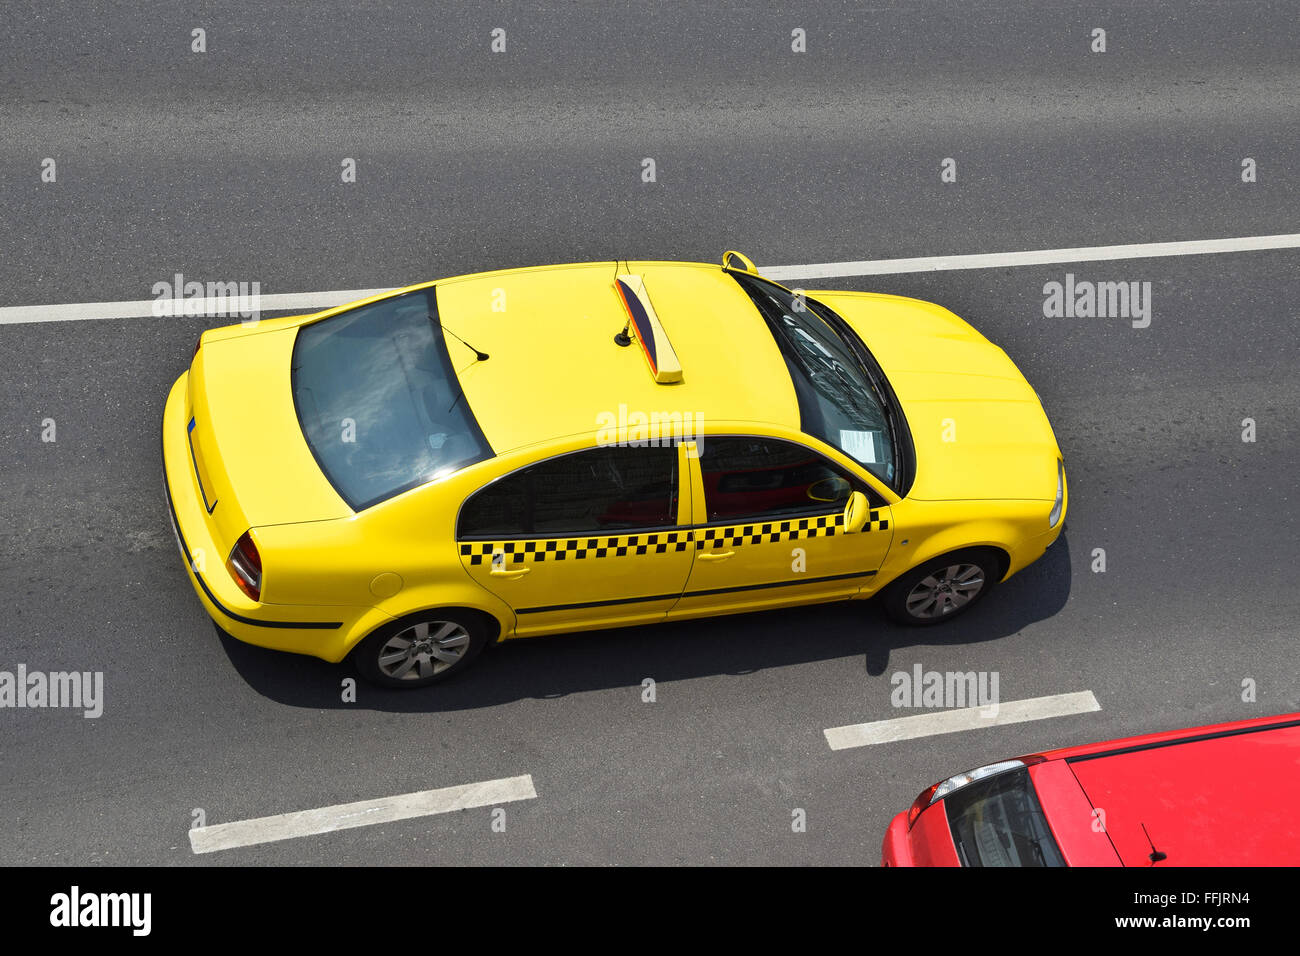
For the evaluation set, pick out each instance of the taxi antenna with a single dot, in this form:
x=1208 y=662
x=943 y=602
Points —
x=1156 y=856
x=622 y=339
x=481 y=356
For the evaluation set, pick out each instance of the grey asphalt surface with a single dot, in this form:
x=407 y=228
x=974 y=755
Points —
x=225 y=166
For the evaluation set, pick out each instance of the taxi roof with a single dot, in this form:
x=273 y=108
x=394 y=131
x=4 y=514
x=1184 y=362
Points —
x=554 y=369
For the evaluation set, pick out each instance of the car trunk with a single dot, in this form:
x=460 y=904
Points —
x=252 y=462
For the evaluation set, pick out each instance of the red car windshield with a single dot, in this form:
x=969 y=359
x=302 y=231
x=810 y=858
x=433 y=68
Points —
x=998 y=821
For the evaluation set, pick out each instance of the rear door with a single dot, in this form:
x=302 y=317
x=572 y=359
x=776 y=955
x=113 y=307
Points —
x=770 y=528
x=582 y=540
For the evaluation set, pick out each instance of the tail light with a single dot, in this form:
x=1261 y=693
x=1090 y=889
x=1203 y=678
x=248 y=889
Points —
x=197 y=343
x=245 y=566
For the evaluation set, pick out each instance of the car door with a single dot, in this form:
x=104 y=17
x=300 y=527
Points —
x=770 y=528
x=582 y=540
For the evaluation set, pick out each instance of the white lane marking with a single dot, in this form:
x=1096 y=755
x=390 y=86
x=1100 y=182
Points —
x=966 y=718
x=1037 y=257
x=315 y=301
x=144 y=308
x=364 y=813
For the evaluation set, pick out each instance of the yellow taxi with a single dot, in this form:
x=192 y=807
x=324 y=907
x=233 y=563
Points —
x=406 y=479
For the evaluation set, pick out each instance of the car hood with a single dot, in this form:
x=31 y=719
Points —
x=978 y=427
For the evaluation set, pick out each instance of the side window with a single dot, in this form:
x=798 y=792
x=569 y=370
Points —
x=499 y=510
x=581 y=493
x=760 y=478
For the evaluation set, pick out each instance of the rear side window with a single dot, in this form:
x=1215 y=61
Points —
x=760 y=478
x=581 y=493
x=999 y=822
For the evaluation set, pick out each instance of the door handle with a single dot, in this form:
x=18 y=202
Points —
x=714 y=555
x=509 y=575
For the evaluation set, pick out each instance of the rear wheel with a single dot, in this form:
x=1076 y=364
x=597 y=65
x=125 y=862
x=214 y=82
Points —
x=943 y=588
x=420 y=650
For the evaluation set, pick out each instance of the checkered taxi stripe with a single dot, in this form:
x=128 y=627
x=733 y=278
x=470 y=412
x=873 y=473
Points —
x=660 y=542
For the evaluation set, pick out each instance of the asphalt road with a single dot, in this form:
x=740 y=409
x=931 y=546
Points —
x=226 y=166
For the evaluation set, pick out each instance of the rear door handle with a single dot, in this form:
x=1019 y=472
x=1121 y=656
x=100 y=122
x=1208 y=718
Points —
x=509 y=575
x=714 y=555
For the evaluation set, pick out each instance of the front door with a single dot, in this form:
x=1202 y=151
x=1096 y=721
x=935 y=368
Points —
x=772 y=532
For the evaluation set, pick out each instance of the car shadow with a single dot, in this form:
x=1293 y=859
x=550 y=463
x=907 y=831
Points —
x=548 y=667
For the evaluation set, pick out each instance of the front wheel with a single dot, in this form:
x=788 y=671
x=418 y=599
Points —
x=420 y=650
x=943 y=588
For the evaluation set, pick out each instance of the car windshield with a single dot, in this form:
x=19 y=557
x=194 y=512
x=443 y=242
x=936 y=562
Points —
x=998 y=821
x=379 y=402
x=840 y=395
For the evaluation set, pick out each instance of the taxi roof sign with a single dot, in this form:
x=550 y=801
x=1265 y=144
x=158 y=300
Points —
x=644 y=321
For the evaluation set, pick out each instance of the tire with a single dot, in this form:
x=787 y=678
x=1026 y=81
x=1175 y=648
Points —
x=947 y=581
x=379 y=657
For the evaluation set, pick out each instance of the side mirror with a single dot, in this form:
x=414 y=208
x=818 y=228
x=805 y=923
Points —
x=830 y=488
x=856 y=512
x=731 y=259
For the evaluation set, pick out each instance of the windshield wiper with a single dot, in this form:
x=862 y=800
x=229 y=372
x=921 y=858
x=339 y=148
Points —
x=961 y=851
x=878 y=385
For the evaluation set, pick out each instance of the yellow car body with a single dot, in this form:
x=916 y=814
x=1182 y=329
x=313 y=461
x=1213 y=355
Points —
x=985 y=466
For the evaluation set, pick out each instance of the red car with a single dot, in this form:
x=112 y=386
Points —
x=1224 y=795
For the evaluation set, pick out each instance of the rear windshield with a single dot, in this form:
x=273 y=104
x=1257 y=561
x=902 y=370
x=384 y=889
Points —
x=379 y=401
x=998 y=821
